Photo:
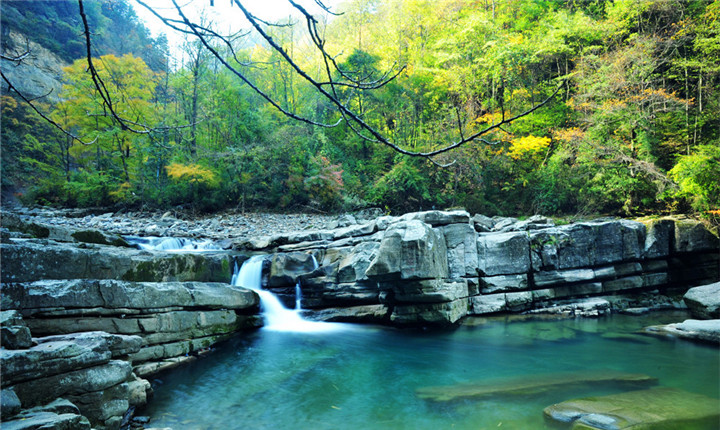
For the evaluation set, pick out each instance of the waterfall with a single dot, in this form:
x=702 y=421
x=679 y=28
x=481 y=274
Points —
x=298 y=286
x=172 y=244
x=277 y=317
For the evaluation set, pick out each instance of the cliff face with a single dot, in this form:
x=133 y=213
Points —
x=38 y=74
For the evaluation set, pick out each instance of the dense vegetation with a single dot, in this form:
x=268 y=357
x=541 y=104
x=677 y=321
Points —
x=634 y=130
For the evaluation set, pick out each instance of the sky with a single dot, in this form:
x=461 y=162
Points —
x=228 y=18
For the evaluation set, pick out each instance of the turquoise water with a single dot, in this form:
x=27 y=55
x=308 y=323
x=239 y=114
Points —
x=366 y=377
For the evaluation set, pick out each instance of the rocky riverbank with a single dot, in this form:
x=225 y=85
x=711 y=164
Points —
x=86 y=317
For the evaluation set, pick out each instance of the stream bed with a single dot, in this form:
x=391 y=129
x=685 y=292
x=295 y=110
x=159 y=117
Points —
x=364 y=377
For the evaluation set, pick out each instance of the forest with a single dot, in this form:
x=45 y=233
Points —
x=633 y=127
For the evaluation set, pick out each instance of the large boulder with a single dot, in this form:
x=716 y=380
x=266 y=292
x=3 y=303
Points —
x=355 y=264
x=460 y=240
x=659 y=237
x=286 y=268
x=704 y=301
x=696 y=330
x=503 y=253
x=410 y=250
x=15 y=333
x=692 y=236
x=434 y=314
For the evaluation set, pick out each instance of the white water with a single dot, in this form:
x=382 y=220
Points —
x=172 y=244
x=277 y=317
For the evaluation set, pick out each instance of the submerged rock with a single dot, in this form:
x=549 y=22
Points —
x=533 y=384
x=656 y=408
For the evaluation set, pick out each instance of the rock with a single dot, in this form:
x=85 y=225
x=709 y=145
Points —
x=698 y=330
x=487 y=304
x=14 y=333
x=286 y=268
x=33 y=297
x=10 y=403
x=118 y=345
x=693 y=236
x=590 y=307
x=435 y=314
x=704 y=301
x=354 y=314
x=47 y=421
x=439 y=218
x=482 y=223
x=426 y=291
x=31 y=261
x=462 y=256
x=643 y=409
x=534 y=385
x=503 y=253
x=53 y=358
x=629 y=283
x=98 y=237
x=552 y=277
x=410 y=250
x=659 y=237
x=353 y=267
x=502 y=283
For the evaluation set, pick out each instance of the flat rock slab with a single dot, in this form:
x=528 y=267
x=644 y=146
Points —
x=695 y=330
x=656 y=408
x=532 y=384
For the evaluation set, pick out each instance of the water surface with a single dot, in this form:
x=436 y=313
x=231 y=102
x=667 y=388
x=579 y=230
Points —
x=366 y=377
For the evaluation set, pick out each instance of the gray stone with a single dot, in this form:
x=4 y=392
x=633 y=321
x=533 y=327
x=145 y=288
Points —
x=578 y=248
x=354 y=314
x=503 y=253
x=544 y=248
x=482 y=223
x=502 y=283
x=438 y=218
x=692 y=236
x=14 y=332
x=353 y=267
x=659 y=237
x=410 y=250
x=35 y=260
x=52 y=358
x=623 y=269
x=518 y=301
x=487 y=304
x=427 y=291
x=629 y=283
x=434 y=314
x=460 y=240
x=9 y=403
x=47 y=421
x=704 y=301
x=81 y=293
x=74 y=383
x=542 y=279
x=286 y=268
x=697 y=330
x=119 y=345
x=578 y=290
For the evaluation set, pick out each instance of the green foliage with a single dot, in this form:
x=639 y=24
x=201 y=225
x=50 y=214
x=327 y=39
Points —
x=634 y=128
x=698 y=176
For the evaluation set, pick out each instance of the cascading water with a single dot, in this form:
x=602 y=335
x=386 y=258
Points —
x=172 y=244
x=298 y=287
x=277 y=317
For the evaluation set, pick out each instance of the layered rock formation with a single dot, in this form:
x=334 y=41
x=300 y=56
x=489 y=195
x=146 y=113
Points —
x=104 y=317
x=433 y=268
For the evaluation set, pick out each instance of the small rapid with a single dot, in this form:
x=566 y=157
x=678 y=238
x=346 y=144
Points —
x=172 y=244
x=277 y=317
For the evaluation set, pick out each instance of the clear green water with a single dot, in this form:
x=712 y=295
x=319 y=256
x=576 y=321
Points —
x=366 y=378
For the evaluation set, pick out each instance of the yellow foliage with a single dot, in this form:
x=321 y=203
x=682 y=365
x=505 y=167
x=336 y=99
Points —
x=193 y=173
x=569 y=135
x=528 y=145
